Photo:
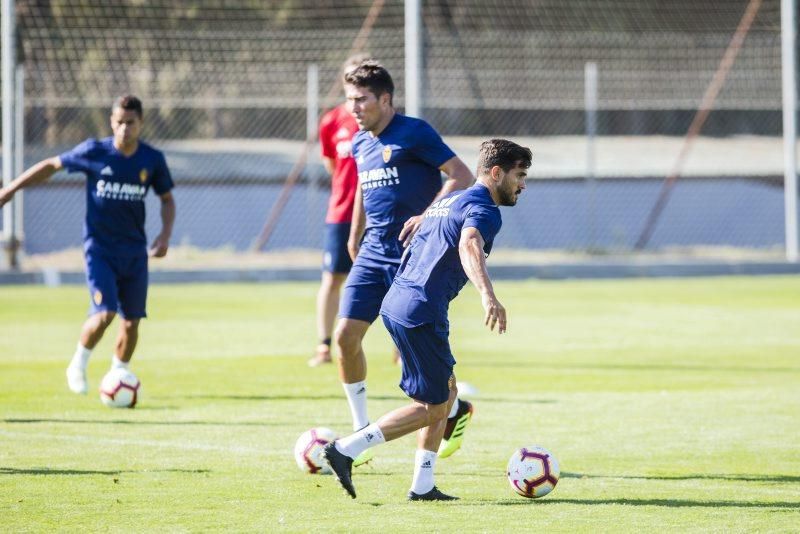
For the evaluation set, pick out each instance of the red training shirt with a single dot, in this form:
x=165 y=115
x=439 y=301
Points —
x=336 y=131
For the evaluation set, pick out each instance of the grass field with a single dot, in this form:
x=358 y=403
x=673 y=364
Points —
x=672 y=405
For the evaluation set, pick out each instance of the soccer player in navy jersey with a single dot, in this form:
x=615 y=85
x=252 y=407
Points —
x=450 y=248
x=399 y=161
x=336 y=131
x=119 y=171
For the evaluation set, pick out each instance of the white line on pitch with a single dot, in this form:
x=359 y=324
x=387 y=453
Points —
x=140 y=442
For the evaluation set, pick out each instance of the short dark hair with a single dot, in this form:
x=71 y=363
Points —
x=373 y=76
x=352 y=62
x=503 y=153
x=129 y=103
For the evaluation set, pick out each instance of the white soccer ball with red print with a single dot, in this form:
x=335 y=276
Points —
x=308 y=450
x=120 y=389
x=533 y=472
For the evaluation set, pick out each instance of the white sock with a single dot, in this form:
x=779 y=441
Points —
x=361 y=440
x=81 y=357
x=453 y=410
x=357 y=398
x=116 y=363
x=424 y=463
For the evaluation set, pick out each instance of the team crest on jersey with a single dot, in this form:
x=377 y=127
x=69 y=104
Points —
x=143 y=175
x=387 y=154
x=97 y=297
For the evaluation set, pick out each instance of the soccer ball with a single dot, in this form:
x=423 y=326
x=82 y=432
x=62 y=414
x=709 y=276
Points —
x=533 y=472
x=308 y=450
x=120 y=388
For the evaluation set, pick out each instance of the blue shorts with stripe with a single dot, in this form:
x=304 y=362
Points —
x=427 y=360
x=335 y=257
x=117 y=284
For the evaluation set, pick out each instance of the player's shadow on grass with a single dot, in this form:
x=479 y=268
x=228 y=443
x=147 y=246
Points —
x=515 y=400
x=782 y=479
x=126 y=422
x=337 y=397
x=645 y=367
x=48 y=471
x=667 y=503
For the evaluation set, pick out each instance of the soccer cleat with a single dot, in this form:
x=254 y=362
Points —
x=322 y=356
x=364 y=458
x=76 y=380
x=342 y=466
x=433 y=495
x=454 y=431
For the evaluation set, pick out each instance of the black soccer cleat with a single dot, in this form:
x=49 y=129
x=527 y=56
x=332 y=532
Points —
x=342 y=466
x=433 y=495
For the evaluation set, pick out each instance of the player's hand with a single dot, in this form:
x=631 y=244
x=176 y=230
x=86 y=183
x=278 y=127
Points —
x=495 y=313
x=409 y=229
x=352 y=248
x=159 y=247
x=5 y=196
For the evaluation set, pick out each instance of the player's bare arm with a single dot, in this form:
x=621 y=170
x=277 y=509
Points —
x=36 y=174
x=458 y=177
x=358 y=224
x=161 y=243
x=329 y=165
x=470 y=250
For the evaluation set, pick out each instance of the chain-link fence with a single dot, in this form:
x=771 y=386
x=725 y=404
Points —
x=224 y=85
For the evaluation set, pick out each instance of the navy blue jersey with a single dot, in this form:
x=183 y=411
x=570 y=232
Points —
x=115 y=189
x=398 y=172
x=430 y=274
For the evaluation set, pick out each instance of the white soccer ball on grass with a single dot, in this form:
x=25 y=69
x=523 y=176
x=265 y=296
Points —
x=120 y=389
x=308 y=450
x=533 y=472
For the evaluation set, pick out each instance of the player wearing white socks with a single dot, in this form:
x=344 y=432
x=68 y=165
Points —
x=399 y=161
x=115 y=245
x=76 y=371
x=449 y=249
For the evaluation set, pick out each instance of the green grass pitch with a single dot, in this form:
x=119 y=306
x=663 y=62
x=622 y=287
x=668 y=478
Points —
x=671 y=404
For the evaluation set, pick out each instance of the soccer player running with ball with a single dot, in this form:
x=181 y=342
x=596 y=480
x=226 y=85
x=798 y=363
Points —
x=399 y=161
x=120 y=170
x=450 y=247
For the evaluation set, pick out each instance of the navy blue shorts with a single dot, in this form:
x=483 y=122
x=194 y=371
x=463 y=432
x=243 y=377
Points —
x=427 y=360
x=335 y=258
x=117 y=284
x=366 y=285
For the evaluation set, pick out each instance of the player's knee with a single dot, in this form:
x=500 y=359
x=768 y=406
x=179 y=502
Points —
x=437 y=412
x=346 y=338
x=130 y=326
x=326 y=284
x=102 y=319
x=337 y=280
